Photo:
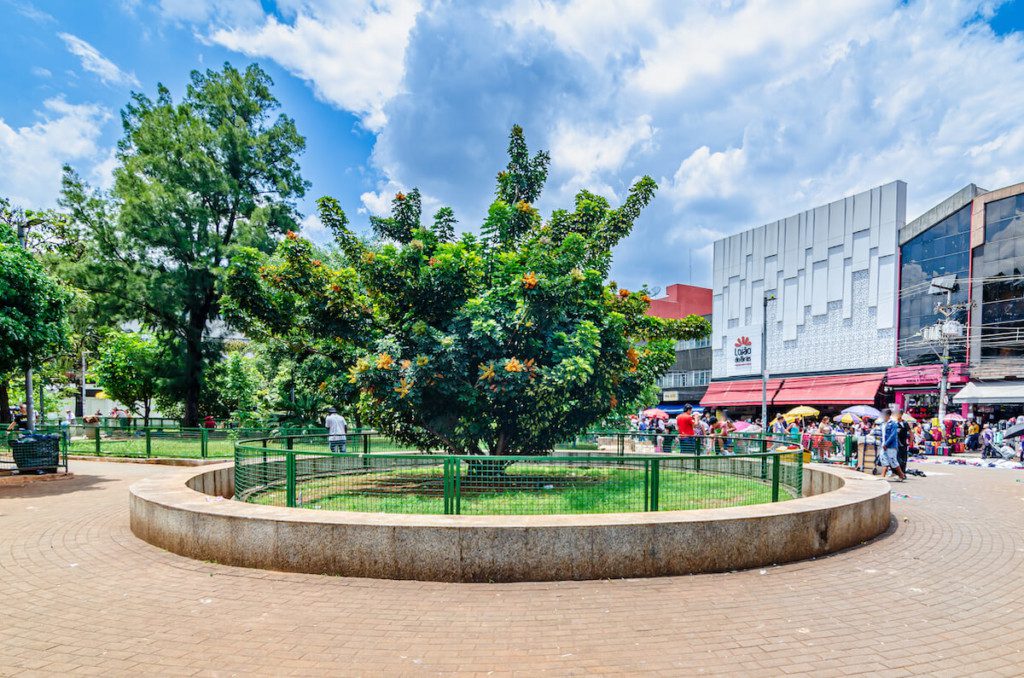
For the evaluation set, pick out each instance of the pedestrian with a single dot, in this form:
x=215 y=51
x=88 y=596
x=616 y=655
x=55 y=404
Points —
x=209 y=422
x=20 y=420
x=684 y=425
x=987 y=442
x=337 y=428
x=889 y=458
x=903 y=439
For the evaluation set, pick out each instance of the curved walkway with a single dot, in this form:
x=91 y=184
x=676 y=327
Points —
x=941 y=594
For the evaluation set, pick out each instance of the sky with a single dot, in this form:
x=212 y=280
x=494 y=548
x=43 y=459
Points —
x=743 y=111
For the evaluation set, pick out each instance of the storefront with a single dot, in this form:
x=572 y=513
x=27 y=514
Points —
x=916 y=389
x=993 y=401
x=830 y=393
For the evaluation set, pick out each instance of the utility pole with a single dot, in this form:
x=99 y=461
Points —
x=30 y=409
x=764 y=363
x=81 y=405
x=944 y=331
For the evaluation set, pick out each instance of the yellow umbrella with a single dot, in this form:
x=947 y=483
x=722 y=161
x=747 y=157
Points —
x=801 y=411
x=848 y=418
x=101 y=395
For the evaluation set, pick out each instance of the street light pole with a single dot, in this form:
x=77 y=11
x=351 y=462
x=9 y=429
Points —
x=81 y=412
x=764 y=362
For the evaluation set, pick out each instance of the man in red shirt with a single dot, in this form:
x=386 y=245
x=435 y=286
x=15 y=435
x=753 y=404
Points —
x=684 y=424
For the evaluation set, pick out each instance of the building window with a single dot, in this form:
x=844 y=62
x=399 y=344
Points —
x=685 y=379
x=690 y=344
x=941 y=250
x=999 y=269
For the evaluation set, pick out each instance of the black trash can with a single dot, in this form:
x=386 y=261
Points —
x=36 y=453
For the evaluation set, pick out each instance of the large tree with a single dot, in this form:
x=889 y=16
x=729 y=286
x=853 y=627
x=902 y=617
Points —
x=33 y=304
x=501 y=344
x=195 y=179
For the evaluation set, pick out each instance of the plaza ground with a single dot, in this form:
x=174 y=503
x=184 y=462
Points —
x=941 y=594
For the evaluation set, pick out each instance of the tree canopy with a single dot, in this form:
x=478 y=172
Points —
x=33 y=305
x=503 y=343
x=130 y=369
x=195 y=179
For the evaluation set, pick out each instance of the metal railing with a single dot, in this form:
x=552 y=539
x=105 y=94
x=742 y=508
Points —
x=303 y=471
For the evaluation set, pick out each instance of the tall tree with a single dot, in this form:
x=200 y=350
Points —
x=33 y=305
x=506 y=343
x=196 y=178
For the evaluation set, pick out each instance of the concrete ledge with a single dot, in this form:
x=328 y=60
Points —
x=190 y=514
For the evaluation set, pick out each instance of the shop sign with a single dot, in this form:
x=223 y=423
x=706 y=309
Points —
x=743 y=350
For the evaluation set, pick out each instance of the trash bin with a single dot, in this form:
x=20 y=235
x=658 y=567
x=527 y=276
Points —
x=36 y=453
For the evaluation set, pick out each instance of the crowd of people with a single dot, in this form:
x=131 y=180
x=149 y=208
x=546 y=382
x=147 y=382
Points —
x=825 y=436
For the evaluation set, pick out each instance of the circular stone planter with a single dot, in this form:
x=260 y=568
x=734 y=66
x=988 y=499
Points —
x=190 y=513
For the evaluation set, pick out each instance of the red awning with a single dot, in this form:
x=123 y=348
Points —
x=836 y=389
x=737 y=393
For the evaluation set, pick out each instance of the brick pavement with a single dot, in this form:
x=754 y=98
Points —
x=941 y=594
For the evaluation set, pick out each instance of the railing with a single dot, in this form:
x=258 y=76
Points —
x=160 y=441
x=303 y=471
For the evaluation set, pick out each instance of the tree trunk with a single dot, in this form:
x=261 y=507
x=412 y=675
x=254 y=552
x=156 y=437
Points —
x=193 y=372
x=5 y=403
x=145 y=412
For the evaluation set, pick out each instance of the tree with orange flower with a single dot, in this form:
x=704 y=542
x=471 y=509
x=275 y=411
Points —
x=504 y=343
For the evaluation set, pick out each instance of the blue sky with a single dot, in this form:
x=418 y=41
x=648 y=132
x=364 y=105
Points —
x=743 y=112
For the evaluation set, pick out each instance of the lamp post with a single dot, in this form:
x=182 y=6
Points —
x=30 y=409
x=764 y=363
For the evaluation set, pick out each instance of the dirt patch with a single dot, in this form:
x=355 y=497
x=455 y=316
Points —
x=9 y=480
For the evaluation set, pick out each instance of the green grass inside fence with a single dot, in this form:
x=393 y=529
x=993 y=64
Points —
x=522 y=489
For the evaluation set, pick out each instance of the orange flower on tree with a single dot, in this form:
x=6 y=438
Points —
x=623 y=293
x=368 y=257
x=513 y=365
x=432 y=261
x=404 y=385
x=529 y=281
x=634 y=359
x=384 y=361
x=523 y=206
x=422 y=360
x=487 y=371
x=399 y=196
x=406 y=364
x=614 y=402
x=291 y=235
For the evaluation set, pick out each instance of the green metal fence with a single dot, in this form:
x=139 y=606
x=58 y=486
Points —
x=301 y=471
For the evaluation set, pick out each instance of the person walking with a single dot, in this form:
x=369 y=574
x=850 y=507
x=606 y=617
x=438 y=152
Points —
x=903 y=439
x=337 y=428
x=889 y=458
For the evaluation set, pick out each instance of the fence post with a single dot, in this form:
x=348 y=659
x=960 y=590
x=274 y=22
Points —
x=457 y=468
x=449 y=486
x=647 y=485
x=776 y=466
x=98 y=440
x=149 y=442
x=203 y=441
x=366 y=442
x=655 y=482
x=289 y=441
x=848 y=445
x=289 y=478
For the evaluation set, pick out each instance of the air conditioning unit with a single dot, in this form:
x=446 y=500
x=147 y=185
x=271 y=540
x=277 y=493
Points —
x=953 y=328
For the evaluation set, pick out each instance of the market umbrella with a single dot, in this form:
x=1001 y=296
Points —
x=863 y=411
x=655 y=413
x=801 y=411
x=848 y=418
x=953 y=416
x=906 y=417
x=1013 y=431
x=745 y=426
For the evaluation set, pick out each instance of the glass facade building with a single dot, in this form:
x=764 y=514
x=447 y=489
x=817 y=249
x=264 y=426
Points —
x=943 y=249
x=998 y=269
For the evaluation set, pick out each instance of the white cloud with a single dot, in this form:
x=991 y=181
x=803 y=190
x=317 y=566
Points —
x=31 y=157
x=41 y=72
x=96 y=63
x=353 y=53
x=376 y=203
x=587 y=153
x=704 y=174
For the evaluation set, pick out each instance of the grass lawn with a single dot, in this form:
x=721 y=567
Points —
x=523 y=489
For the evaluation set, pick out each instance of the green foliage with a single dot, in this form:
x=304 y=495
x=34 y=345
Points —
x=33 y=305
x=129 y=369
x=503 y=344
x=197 y=178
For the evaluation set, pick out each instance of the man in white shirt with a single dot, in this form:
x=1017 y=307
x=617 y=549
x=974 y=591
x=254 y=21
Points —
x=336 y=430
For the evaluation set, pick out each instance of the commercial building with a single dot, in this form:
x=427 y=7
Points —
x=831 y=276
x=688 y=379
